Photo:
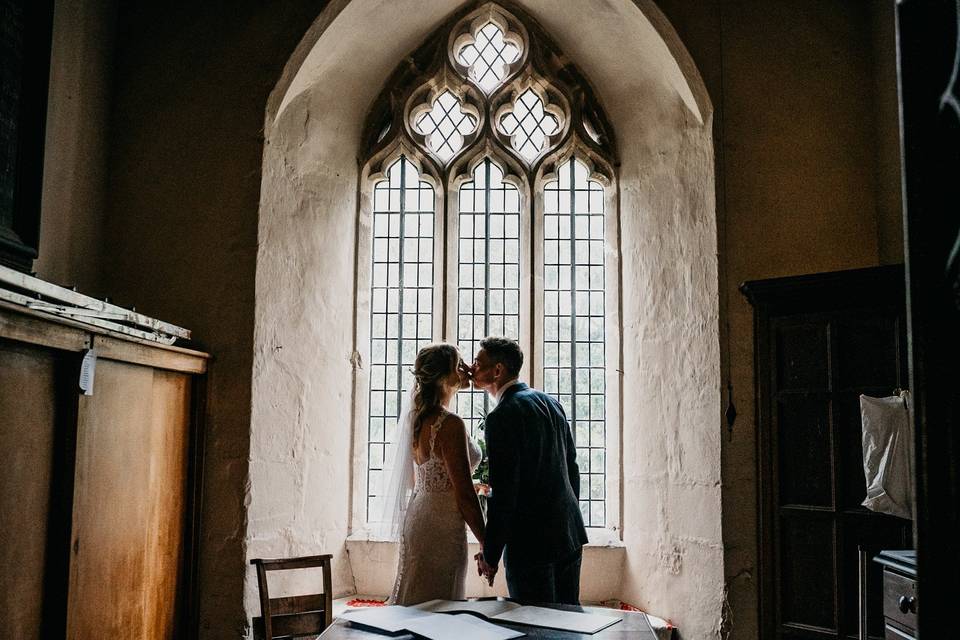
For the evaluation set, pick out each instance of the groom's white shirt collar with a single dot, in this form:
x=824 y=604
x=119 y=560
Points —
x=503 y=388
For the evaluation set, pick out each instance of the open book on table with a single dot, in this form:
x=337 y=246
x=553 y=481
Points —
x=506 y=611
x=395 y=620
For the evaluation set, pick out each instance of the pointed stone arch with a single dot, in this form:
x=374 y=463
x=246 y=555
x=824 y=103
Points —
x=302 y=449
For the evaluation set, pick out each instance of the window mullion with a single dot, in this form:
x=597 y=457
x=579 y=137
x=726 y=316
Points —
x=486 y=246
x=573 y=303
x=486 y=261
x=400 y=258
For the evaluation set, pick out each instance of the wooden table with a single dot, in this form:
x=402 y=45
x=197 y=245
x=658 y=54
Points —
x=633 y=625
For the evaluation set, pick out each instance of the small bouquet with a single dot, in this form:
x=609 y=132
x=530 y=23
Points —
x=481 y=476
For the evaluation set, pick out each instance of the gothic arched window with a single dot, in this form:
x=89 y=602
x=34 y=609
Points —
x=488 y=207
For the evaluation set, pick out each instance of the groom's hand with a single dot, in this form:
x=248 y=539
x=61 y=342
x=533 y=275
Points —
x=478 y=558
x=485 y=569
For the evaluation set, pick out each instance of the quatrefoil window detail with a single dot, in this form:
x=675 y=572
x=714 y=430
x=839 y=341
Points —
x=529 y=125
x=445 y=125
x=488 y=57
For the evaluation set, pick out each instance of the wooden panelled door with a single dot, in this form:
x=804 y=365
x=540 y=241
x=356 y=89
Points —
x=821 y=341
x=928 y=56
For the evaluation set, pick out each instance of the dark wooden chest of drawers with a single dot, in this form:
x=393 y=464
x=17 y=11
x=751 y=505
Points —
x=900 y=600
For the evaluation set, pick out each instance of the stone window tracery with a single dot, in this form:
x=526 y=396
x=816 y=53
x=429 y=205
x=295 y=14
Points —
x=444 y=125
x=489 y=134
x=488 y=54
x=529 y=125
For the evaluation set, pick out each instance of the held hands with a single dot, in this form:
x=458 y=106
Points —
x=484 y=569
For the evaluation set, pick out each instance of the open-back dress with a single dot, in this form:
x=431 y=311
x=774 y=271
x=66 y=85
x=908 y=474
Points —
x=433 y=539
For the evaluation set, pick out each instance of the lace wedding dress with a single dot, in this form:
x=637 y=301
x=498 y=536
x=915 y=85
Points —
x=433 y=541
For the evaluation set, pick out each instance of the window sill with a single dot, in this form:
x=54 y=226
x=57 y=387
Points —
x=373 y=561
x=598 y=538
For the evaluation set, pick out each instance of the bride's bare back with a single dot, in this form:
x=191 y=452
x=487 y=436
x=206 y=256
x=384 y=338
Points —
x=421 y=448
x=433 y=544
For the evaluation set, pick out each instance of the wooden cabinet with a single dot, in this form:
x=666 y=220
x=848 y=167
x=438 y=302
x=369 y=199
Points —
x=99 y=509
x=900 y=600
x=820 y=342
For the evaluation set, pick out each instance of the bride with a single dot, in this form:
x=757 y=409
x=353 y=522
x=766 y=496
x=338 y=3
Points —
x=431 y=493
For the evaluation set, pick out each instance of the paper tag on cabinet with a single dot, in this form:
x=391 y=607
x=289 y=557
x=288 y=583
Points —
x=88 y=368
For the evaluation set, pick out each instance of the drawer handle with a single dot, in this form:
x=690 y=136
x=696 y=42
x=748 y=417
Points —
x=907 y=605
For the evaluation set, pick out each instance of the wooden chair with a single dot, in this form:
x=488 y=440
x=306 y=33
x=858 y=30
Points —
x=293 y=616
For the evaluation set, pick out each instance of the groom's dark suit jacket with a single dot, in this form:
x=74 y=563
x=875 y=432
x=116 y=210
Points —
x=534 y=508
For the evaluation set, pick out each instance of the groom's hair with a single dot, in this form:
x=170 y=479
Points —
x=506 y=351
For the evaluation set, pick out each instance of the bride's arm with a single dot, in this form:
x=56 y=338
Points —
x=453 y=446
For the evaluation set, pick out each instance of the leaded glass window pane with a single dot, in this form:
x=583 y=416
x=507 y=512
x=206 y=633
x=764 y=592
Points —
x=574 y=361
x=401 y=305
x=529 y=125
x=482 y=246
x=488 y=57
x=445 y=125
x=488 y=272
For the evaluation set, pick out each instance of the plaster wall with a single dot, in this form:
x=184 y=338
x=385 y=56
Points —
x=77 y=144
x=301 y=422
x=671 y=561
x=302 y=439
x=191 y=84
x=375 y=569
x=809 y=153
x=671 y=373
x=186 y=153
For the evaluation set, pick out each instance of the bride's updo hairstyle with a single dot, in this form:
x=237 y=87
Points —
x=432 y=368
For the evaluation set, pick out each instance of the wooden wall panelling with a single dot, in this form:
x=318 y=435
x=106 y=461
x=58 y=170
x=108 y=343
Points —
x=169 y=453
x=25 y=58
x=172 y=358
x=129 y=503
x=821 y=341
x=35 y=436
x=189 y=589
x=26 y=437
x=928 y=43
x=21 y=325
x=127 y=462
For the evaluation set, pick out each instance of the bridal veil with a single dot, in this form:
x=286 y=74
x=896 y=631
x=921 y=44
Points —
x=399 y=472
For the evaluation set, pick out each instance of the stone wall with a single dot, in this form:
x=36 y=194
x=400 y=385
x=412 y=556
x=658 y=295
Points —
x=77 y=144
x=805 y=159
x=191 y=85
x=671 y=370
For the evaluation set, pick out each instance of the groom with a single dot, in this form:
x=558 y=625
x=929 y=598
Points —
x=533 y=514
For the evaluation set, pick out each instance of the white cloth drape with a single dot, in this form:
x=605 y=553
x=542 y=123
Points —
x=888 y=453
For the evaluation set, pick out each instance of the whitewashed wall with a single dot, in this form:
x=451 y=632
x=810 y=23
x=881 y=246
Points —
x=375 y=564
x=301 y=442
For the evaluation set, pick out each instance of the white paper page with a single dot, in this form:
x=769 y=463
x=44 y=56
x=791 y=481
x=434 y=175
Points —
x=504 y=632
x=391 y=619
x=485 y=608
x=461 y=626
x=555 y=619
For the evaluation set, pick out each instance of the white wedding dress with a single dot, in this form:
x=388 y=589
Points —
x=433 y=540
